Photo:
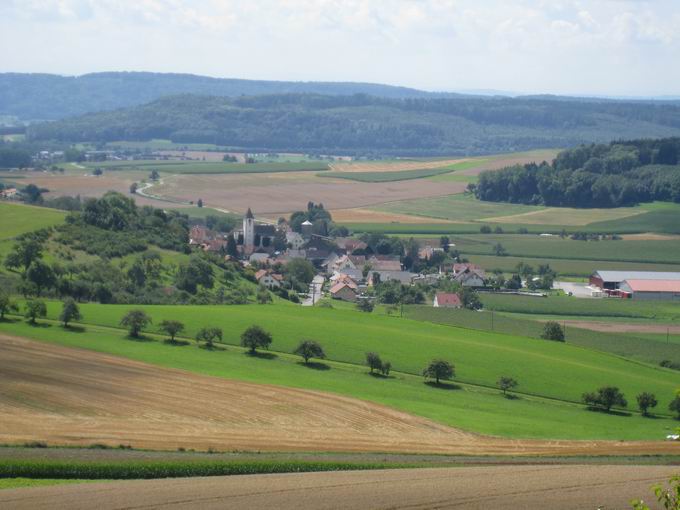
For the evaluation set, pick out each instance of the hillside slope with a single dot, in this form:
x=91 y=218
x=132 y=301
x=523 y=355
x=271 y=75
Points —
x=362 y=124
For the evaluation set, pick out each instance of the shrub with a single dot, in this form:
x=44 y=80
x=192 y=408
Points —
x=209 y=336
x=373 y=361
x=35 y=309
x=365 y=305
x=553 y=331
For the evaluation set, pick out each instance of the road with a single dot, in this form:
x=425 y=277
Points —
x=315 y=291
x=511 y=487
x=579 y=290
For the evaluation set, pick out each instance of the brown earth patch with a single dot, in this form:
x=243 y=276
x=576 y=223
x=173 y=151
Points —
x=650 y=236
x=474 y=488
x=620 y=327
x=77 y=397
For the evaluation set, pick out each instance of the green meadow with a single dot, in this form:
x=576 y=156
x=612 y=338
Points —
x=17 y=219
x=539 y=366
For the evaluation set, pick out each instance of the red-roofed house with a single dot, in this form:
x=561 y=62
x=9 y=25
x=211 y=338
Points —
x=652 y=289
x=344 y=291
x=447 y=300
x=268 y=279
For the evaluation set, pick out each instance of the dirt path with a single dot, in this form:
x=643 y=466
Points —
x=511 y=487
x=77 y=397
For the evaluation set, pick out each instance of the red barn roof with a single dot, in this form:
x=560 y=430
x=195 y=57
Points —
x=654 y=285
x=448 y=299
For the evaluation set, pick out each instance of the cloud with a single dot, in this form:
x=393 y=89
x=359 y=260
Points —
x=522 y=45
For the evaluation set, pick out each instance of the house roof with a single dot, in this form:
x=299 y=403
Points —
x=339 y=286
x=387 y=265
x=307 y=222
x=260 y=274
x=400 y=276
x=653 y=285
x=619 y=276
x=448 y=298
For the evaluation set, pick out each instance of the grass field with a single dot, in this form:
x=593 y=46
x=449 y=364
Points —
x=648 y=250
x=17 y=219
x=403 y=175
x=650 y=348
x=570 y=306
x=199 y=167
x=17 y=483
x=480 y=357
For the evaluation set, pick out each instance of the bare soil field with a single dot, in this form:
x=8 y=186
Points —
x=76 y=397
x=621 y=327
x=521 y=158
x=507 y=487
x=392 y=166
x=290 y=191
x=650 y=236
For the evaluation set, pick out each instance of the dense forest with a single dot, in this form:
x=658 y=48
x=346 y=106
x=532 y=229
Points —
x=369 y=125
x=612 y=175
x=51 y=97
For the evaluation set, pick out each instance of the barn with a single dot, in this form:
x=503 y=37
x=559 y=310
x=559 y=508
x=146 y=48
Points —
x=652 y=289
x=612 y=280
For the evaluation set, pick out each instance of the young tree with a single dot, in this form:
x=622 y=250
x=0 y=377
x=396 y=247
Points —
x=499 y=250
x=373 y=361
x=675 y=405
x=133 y=188
x=172 y=328
x=199 y=203
x=646 y=400
x=209 y=336
x=444 y=242
x=154 y=176
x=386 y=368
x=35 y=309
x=506 y=383
x=135 y=321
x=605 y=398
x=365 y=305
x=255 y=337
x=553 y=331
x=439 y=369
x=6 y=304
x=69 y=312
x=309 y=349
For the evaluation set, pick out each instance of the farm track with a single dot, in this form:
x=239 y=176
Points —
x=77 y=397
x=511 y=487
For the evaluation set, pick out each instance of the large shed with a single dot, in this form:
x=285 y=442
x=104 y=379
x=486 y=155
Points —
x=652 y=289
x=611 y=280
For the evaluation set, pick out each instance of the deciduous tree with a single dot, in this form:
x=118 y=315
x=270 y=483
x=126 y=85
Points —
x=439 y=369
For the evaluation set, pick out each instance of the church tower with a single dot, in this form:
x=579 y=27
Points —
x=249 y=230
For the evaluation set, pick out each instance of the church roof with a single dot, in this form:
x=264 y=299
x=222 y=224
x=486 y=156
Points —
x=307 y=222
x=249 y=214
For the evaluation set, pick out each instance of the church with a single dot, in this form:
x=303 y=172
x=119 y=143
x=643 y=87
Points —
x=254 y=236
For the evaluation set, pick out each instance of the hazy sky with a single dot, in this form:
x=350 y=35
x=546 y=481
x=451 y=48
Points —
x=607 y=47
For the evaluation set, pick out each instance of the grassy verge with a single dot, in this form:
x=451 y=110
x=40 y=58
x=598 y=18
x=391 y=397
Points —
x=19 y=483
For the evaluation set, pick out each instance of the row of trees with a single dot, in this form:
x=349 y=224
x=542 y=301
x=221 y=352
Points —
x=613 y=175
x=606 y=397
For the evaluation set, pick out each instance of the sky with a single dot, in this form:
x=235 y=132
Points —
x=577 y=47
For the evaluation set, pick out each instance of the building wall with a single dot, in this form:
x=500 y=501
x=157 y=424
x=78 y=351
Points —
x=656 y=296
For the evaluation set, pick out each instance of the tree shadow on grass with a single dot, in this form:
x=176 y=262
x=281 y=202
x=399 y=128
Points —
x=378 y=375
x=314 y=365
x=138 y=338
x=8 y=320
x=442 y=385
x=510 y=396
x=176 y=343
x=611 y=412
x=211 y=347
x=261 y=355
x=39 y=324
x=74 y=329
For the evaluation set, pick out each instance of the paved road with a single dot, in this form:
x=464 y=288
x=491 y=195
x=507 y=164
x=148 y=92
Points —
x=315 y=291
x=579 y=290
x=511 y=487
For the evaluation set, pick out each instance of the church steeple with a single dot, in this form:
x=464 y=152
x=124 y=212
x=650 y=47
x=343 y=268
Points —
x=249 y=230
x=249 y=214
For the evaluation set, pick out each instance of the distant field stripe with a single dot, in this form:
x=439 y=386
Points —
x=401 y=175
x=198 y=167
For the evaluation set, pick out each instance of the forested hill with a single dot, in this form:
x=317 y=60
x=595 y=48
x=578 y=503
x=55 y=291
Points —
x=50 y=97
x=611 y=175
x=369 y=125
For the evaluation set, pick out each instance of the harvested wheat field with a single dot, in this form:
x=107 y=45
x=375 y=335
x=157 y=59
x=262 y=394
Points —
x=393 y=166
x=77 y=397
x=520 y=158
x=290 y=191
x=506 y=487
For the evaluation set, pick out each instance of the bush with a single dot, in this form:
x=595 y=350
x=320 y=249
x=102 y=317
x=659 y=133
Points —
x=365 y=305
x=553 y=331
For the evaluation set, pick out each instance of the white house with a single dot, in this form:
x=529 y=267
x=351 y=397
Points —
x=294 y=240
x=268 y=279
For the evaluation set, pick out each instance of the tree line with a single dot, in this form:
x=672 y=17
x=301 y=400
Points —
x=597 y=175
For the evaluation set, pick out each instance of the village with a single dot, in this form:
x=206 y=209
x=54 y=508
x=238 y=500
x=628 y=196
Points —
x=346 y=268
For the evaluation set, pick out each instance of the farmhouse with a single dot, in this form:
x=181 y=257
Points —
x=344 y=291
x=268 y=279
x=612 y=280
x=8 y=193
x=652 y=289
x=446 y=300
